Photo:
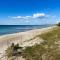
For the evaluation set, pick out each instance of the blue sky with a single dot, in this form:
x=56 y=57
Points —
x=29 y=12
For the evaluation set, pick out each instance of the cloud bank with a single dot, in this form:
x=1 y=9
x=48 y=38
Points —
x=37 y=15
x=34 y=19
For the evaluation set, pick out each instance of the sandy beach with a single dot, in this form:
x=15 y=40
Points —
x=23 y=38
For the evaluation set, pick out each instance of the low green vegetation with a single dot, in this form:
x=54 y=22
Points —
x=13 y=50
x=48 y=50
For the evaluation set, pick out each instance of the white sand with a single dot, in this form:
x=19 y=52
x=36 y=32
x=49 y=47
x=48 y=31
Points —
x=22 y=38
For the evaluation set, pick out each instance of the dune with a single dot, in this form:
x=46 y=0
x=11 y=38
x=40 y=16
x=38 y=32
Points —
x=23 y=38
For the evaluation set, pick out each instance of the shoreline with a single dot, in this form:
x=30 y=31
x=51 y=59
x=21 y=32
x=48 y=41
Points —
x=22 y=38
x=26 y=35
x=28 y=31
x=16 y=29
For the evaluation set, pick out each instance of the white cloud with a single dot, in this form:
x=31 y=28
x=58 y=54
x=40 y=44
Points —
x=39 y=15
x=26 y=17
x=36 y=18
x=17 y=17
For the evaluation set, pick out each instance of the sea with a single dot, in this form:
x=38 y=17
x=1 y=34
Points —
x=9 y=29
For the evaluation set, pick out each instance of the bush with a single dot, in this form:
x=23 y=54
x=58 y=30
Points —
x=58 y=24
x=13 y=50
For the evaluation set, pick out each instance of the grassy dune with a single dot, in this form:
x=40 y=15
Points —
x=48 y=50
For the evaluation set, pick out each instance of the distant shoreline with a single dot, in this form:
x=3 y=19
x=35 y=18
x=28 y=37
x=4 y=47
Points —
x=35 y=30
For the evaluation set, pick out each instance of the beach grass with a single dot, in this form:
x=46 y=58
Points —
x=48 y=50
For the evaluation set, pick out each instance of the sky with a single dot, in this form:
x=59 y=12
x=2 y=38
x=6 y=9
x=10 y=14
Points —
x=29 y=12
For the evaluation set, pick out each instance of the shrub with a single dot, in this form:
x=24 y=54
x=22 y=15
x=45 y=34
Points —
x=58 y=24
x=13 y=50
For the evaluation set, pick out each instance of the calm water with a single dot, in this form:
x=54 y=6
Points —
x=8 y=29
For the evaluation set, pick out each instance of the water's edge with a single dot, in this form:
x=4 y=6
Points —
x=10 y=29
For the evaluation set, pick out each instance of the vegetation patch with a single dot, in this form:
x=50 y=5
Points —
x=58 y=24
x=48 y=50
x=13 y=50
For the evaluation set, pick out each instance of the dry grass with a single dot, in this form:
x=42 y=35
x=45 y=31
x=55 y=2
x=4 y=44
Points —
x=48 y=50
